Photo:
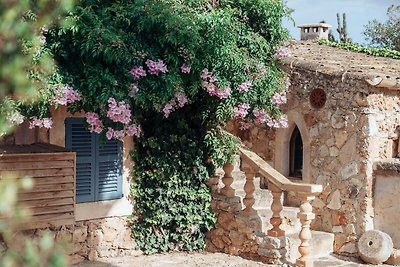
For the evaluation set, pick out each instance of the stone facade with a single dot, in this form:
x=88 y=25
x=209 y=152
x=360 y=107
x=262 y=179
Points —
x=356 y=126
x=93 y=239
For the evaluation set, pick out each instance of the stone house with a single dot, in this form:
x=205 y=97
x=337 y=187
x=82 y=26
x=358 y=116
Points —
x=344 y=128
x=344 y=113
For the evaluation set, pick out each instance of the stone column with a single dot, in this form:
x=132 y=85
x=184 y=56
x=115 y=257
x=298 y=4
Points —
x=249 y=189
x=306 y=216
x=227 y=190
x=276 y=207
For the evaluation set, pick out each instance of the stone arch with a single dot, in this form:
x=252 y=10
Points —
x=282 y=146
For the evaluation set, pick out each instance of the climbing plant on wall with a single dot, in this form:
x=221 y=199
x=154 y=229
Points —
x=172 y=73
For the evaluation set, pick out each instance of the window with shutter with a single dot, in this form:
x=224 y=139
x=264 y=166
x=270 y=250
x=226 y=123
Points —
x=98 y=163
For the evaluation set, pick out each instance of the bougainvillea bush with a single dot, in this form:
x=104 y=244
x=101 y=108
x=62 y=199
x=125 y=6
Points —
x=171 y=73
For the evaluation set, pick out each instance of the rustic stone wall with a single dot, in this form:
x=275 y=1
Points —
x=357 y=125
x=242 y=235
x=93 y=239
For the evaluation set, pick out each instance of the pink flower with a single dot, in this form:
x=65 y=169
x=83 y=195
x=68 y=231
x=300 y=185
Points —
x=244 y=125
x=282 y=52
x=260 y=115
x=118 y=112
x=225 y=93
x=133 y=130
x=167 y=110
x=138 y=72
x=45 y=122
x=283 y=121
x=245 y=87
x=279 y=98
x=205 y=74
x=69 y=96
x=213 y=79
x=241 y=111
x=185 y=68
x=155 y=67
x=109 y=133
x=119 y=134
x=42 y=39
x=95 y=124
x=133 y=89
x=181 y=98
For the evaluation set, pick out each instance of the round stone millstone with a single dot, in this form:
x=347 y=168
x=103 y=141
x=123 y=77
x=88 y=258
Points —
x=375 y=247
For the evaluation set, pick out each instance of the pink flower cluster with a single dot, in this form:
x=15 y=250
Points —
x=133 y=89
x=212 y=89
x=245 y=87
x=180 y=100
x=282 y=52
x=279 y=98
x=244 y=125
x=95 y=124
x=281 y=123
x=241 y=111
x=45 y=122
x=185 y=68
x=131 y=130
x=69 y=96
x=138 y=72
x=155 y=67
x=260 y=115
x=118 y=112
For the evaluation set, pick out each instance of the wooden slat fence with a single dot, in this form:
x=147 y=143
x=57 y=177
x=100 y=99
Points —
x=52 y=198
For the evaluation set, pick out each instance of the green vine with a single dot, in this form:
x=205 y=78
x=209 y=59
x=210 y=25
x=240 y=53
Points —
x=373 y=51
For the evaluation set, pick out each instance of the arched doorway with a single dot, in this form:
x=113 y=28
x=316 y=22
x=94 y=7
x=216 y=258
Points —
x=296 y=154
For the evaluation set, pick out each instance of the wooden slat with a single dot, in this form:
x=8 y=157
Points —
x=51 y=187
x=32 y=165
x=46 y=195
x=51 y=210
x=39 y=173
x=51 y=217
x=53 y=223
x=49 y=202
x=36 y=157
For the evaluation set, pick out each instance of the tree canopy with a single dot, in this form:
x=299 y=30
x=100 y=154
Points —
x=385 y=34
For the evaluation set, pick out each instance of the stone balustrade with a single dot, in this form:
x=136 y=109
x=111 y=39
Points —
x=251 y=165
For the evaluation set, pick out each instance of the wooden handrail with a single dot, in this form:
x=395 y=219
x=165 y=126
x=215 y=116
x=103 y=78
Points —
x=259 y=165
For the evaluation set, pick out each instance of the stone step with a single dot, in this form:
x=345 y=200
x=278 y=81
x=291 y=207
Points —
x=322 y=244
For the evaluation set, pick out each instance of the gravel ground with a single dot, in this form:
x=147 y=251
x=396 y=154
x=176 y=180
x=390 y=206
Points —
x=204 y=259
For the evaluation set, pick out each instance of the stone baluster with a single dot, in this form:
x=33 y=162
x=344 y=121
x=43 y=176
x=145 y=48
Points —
x=249 y=189
x=276 y=207
x=227 y=190
x=306 y=216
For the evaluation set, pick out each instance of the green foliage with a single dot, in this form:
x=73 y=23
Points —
x=379 y=52
x=172 y=202
x=24 y=66
x=386 y=34
x=235 y=40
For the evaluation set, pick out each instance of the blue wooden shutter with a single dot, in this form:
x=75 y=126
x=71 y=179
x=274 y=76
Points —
x=109 y=169
x=80 y=140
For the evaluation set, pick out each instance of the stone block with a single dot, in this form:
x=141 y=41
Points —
x=375 y=247
x=80 y=234
x=394 y=259
x=270 y=253
x=335 y=201
x=75 y=259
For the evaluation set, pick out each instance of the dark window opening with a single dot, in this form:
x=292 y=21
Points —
x=296 y=154
x=315 y=29
x=306 y=30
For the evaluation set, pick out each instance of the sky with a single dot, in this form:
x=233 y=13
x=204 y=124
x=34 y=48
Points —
x=358 y=13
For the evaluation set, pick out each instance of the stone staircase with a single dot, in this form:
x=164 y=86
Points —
x=268 y=244
x=322 y=242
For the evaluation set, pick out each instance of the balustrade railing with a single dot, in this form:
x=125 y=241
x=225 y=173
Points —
x=252 y=164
